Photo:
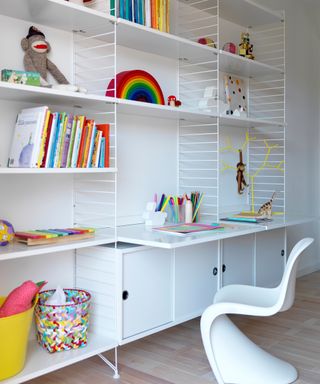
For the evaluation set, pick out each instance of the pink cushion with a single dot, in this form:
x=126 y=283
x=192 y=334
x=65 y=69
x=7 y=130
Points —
x=20 y=299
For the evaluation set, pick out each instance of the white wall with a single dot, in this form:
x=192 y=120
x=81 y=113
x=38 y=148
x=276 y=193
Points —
x=302 y=134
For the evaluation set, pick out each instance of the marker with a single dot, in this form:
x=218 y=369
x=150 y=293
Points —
x=165 y=203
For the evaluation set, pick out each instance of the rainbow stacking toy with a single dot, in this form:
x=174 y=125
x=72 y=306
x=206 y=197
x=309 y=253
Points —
x=136 y=85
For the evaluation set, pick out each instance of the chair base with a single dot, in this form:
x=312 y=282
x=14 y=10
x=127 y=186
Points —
x=240 y=361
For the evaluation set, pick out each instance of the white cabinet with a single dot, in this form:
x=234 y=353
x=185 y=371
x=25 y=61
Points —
x=147 y=290
x=195 y=281
x=238 y=256
x=270 y=257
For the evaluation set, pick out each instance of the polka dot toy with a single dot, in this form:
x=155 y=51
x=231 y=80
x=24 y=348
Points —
x=6 y=232
x=235 y=90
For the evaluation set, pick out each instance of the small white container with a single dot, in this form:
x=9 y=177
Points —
x=154 y=218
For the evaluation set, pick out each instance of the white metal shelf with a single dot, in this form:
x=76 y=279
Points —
x=27 y=93
x=59 y=171
x=247 y=122
x=40 y=95
x=151 y=40
x=40 y=362
x=58 y=14
x=17 y=250
x=161 y=111
x=166 y=112
x=238 y=65
x=248 y=13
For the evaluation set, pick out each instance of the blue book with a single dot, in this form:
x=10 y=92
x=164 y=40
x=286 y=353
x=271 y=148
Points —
x=139 y=11
x=91 y=147
x=143 y=13
x=102 y=152
x=121 y=8
x=129 y=10
x=246 y=220
x=136 y=11
x=55 y=141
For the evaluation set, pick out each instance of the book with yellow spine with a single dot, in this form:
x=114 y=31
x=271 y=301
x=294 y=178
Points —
x=43 y=138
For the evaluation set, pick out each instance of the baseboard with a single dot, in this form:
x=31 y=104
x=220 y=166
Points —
x=309 y=269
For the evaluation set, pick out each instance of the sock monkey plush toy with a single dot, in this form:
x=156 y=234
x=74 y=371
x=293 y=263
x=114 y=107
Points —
x=35 y=60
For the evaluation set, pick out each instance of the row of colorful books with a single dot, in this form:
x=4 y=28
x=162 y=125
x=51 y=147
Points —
x=45 y=139
x=151 y=13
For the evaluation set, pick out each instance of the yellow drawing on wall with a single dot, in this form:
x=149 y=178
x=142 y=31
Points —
x=265 y=164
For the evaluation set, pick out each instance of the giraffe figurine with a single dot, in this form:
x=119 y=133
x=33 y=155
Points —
x=266 y=209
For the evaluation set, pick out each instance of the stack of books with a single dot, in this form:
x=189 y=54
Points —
x=45 y=139
x=247 y=217
x=151 y=13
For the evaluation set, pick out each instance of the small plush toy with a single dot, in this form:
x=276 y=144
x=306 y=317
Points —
x=173 y=102
x=35 y=60
x=241 y=167
x=20 y=299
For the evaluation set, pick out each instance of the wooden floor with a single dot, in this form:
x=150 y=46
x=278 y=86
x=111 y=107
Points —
x=176 y=356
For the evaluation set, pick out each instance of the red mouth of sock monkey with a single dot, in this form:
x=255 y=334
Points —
x=39 y=46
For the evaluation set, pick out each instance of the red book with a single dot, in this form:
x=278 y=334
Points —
x=105 y=129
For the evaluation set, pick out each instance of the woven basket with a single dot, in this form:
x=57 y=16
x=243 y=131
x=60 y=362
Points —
x=63 y=327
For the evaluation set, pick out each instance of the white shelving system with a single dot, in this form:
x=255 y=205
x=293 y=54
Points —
x=263 y=139
x=44 y=198
x=154 y=148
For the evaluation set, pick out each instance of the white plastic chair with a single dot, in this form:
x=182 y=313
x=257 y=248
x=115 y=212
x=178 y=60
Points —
x=233 y=357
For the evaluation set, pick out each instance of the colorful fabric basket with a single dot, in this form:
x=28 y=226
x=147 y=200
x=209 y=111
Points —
x=63 y=327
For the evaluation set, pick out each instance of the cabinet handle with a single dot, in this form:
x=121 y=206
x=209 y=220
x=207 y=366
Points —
x=215 y=271
x=125 y=295
x=224 y=268
x=282 y=252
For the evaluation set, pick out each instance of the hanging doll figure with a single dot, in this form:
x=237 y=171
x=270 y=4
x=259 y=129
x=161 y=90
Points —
x=241 y=167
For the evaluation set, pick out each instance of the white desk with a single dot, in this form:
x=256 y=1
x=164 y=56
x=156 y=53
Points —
x=142 y=235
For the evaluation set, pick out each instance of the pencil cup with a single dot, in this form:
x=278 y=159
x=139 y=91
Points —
x=175 y=214
x=154 y=218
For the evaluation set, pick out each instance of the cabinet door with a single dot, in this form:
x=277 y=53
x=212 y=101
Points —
x=147 y=290
x=195 y=283
x=270 y=257
x=237 y=260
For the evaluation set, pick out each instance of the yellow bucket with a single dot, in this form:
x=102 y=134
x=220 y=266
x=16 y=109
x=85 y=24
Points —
x=14 y=334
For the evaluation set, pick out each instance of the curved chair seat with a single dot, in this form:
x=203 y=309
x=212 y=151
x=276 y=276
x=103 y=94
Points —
x=233 y=357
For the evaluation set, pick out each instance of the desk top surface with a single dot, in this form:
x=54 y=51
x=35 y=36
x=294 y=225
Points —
x=142 y=235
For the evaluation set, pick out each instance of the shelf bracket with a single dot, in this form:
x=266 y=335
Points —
x=114 y=366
